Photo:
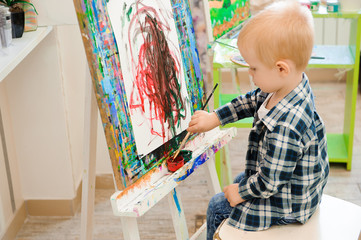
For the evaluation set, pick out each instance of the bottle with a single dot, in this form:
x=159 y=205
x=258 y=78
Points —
x=315 y=4
x=2 y=23
x=7 y=28
x=333 y=5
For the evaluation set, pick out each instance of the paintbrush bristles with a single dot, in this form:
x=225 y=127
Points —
x=181 y=145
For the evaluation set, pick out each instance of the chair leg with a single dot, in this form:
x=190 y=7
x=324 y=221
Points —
x=234 y=80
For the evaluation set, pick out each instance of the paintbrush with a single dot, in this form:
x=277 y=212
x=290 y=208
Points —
x=189 y=134
x=225 y=44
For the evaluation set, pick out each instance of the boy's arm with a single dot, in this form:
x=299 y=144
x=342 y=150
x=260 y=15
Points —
x=241 y=107
x=277 y=167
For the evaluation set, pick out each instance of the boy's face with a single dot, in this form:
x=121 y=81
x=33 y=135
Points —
x=266 y=78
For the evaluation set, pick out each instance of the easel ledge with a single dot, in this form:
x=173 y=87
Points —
x=160 y=182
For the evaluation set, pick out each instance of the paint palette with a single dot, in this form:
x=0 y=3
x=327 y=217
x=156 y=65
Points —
x=238 y=59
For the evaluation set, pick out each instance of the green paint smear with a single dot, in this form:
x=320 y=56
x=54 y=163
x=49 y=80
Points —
x=129 y=13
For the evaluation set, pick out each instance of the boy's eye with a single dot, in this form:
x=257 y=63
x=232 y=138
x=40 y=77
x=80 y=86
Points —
x=253 y=69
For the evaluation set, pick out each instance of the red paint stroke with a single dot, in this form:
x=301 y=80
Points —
x=157 y=71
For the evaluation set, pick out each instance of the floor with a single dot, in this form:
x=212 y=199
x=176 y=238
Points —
x=157 y=223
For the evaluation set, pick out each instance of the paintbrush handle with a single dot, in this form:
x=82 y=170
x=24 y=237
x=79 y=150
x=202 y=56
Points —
x=225 y=44
x=182 y=145
x=188 y=134
x=209 y=97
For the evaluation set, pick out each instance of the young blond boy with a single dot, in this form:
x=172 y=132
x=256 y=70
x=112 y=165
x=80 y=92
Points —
x=286 y=162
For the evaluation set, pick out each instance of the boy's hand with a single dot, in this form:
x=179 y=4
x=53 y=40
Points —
x=203 y=121
x=232 y=195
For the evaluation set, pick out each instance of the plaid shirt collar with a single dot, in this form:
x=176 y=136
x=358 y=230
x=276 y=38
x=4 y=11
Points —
x=300 y=93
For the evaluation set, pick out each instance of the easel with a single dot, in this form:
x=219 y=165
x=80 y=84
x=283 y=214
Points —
x=137 y=203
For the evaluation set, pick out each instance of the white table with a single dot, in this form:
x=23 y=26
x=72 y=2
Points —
x=20 y=47
x=9 y=58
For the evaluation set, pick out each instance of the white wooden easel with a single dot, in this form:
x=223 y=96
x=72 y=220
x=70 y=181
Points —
x=89 y=160
x=138 y=203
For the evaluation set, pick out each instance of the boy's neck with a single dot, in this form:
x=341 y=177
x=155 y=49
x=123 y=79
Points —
x=291 y=82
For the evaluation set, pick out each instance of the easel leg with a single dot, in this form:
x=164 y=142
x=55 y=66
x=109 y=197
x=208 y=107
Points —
x=89 y=161
x=226 y=166
x=223 y=167
x=179 y=220
x=212 y=178
x=130 y=228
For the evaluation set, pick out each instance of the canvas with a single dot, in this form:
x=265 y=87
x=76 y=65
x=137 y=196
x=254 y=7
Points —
x=226 y=15
x=152 y=69
x=114 y=85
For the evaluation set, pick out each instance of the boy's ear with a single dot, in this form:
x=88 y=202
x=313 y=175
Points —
x=283 y=67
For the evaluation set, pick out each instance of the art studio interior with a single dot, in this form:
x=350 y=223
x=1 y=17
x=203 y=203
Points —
x=180 y=119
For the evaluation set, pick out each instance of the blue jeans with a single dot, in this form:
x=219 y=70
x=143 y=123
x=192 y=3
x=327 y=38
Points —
x=219 y=209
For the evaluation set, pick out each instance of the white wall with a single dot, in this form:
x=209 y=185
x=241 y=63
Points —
x=55 y=12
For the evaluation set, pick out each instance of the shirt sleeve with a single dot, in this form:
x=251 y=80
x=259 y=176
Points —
x=241 y=107
x=277 y=166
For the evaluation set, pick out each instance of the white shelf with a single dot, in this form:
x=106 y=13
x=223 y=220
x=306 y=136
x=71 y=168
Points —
x=20 y=47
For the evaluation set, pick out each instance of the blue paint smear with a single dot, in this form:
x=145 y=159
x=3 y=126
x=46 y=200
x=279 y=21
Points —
x=197 y=162
x=177 y=202
x=190 y=56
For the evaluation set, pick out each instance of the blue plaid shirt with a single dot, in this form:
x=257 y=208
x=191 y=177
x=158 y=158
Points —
x=286 y=163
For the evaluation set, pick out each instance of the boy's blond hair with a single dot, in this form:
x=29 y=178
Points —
x=283 y=30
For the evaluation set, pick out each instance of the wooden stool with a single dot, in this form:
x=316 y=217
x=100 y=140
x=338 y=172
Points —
x=334 y=219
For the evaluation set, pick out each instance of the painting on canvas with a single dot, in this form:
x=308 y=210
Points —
x=227 y=14
x=145 y=70
x=152 y=70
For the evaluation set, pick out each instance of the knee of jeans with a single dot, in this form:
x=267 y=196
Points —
x=239 y=177
x=213 y=203
x=217 y=201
